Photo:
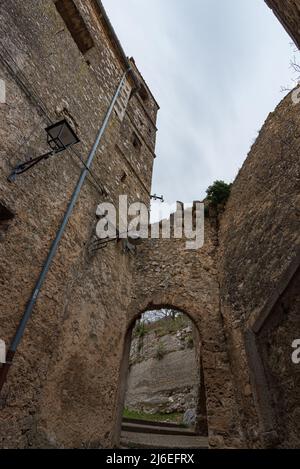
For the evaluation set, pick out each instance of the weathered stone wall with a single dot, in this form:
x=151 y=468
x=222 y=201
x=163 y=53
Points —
x=169 y=275
x=63 y=387
x=66 y=386
x=162 y=374
x=283 y=376
x=261 y=217
x=259 y=236
x=288 y=13
x=66 y=369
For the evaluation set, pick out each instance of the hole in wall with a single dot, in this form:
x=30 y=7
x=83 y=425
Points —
x=6 y=217
x=137 y=144
x=123 y=177
x=75 y=24
x=143 y=93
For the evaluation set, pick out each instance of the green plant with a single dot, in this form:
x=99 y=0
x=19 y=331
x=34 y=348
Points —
x=190 y=342
x=170 y=324
x=218 y=193
x=160 y=351
x=140 y=330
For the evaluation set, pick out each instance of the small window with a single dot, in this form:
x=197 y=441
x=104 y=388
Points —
x=75 y=24
x=136 y=142
x=6 y=217
x=122 y=101
x=123 y=177
x=143 y=93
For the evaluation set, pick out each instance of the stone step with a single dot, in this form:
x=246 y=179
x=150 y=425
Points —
x=155 y=441
x=157 y=429
x=153 y=423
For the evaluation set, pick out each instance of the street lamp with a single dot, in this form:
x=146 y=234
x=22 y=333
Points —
x=60 y=136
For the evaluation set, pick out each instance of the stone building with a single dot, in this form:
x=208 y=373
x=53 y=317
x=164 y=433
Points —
x=61 y=59
x=66 y=386
x=288 y=13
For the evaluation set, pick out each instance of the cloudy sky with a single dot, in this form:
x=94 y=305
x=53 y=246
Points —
x=216 y=67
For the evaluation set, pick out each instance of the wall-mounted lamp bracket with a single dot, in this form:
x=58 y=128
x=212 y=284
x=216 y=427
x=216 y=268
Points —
x=23 y=167
x=156 y=197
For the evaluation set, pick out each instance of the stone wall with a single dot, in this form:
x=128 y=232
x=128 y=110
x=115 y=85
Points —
x=282 y=375
x=66 y=387
x=169 y=275
x=162 y=374
x=259 y=242
x=288 y=13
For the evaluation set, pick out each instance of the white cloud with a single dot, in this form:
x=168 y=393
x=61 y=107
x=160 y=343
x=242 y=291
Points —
x=216 y=69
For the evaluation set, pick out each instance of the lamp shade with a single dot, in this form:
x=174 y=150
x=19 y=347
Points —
x=61 y=136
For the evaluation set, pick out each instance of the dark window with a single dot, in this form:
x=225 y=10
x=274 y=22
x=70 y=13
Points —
x=123 y=177
x=143 y=93
x=6 y=217
x=75 y=24
x=136 y=142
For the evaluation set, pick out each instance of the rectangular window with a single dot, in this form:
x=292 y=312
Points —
x=75 y=24
x=122 y=101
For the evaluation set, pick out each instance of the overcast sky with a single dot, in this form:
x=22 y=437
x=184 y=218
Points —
x=216 y=68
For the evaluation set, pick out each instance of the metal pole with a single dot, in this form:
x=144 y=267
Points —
x=28 y=311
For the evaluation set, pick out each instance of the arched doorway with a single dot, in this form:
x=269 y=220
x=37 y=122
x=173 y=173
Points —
x=163 y=402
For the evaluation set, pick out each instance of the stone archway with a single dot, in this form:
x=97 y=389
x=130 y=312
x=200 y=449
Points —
x=167 y=275
x=223 y=424
x=170 y=383
x=200 y=426
x=89 y=387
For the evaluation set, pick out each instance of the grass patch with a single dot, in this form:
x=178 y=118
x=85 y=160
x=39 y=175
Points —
x=171 y=325
x=138 y=415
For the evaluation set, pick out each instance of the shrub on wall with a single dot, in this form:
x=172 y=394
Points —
x=218 y=193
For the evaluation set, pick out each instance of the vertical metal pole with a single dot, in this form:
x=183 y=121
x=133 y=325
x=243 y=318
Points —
x=28 y=311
